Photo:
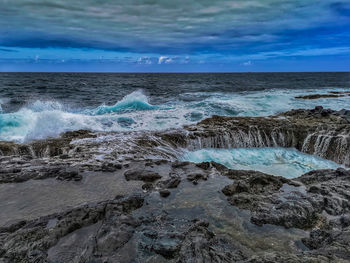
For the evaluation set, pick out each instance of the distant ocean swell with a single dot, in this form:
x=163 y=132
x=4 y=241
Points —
x=42 y=119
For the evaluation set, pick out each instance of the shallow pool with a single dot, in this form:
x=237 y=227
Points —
x=286 y=162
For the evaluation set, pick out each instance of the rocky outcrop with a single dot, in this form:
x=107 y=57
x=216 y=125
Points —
x=44 y=148
x=31 y=241
x=323 y=132
x=318 y=201
x=331 y=94
x=142 y=175
x=280 y=201
x=108 y=232
x=135 y=228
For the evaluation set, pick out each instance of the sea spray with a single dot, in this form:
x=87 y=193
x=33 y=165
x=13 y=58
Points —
x=42 y=119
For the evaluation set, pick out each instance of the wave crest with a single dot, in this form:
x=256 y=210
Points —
x=135 y=101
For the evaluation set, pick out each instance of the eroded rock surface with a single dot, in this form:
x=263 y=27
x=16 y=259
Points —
x=150 y=224
x=318 y=201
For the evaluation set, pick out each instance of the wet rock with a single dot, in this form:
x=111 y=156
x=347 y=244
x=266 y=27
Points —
x=192 y=241
x=167 y=246
x=110 y=232
x=164 y=193
x=270 y=203
x=60 y=172
x=195 y=177
x=204 y=165
x=142 y=175
x=332 y=243
x=170 y=183
x=318 y=96
x=317 y=201
x=178 y=164
x=148 y=186
x=318 y=131
x=111 y=167
x=331 y=188
x=68 y=175
x=32 y=241
x=64 y=156
x=273 y=257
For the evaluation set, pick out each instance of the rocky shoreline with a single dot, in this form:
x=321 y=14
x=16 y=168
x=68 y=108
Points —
x=125 y=197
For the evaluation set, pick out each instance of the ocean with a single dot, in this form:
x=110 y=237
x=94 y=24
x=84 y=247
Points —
x=42 y=105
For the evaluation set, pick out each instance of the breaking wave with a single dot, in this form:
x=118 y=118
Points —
x=42 y=119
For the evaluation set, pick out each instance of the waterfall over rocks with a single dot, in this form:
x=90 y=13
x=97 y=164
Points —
x=310 y=131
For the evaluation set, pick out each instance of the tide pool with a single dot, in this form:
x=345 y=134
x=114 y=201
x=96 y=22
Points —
x=286 y=162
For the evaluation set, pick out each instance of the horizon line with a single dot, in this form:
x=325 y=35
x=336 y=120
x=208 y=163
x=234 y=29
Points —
x=175 y=72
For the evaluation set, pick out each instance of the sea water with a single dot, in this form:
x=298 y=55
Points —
x=41 y=105
x=286 y=162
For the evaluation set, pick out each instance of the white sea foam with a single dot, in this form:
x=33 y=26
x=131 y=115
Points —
x=43 y=119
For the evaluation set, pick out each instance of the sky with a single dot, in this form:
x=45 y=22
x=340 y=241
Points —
x=174 y=35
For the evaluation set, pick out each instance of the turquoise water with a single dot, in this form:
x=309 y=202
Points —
x=285 y=162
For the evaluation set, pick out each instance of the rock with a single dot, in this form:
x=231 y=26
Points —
x=68 y=175
x=264 y=196
x=111 y=167
x=33 y=242
x=167 y=246
x=195 y=177
x=204 y=165
x=170 y=183
x=60 y=172
x=164 y=193
x=148 y=186
x=318 y=96
x=142 y=175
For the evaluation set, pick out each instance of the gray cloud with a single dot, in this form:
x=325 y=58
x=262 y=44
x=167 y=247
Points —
x=176 y=26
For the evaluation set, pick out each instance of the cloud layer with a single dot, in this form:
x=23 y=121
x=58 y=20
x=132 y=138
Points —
x=172 y=30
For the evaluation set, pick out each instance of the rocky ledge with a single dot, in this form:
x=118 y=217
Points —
x=150 y=226
x=319 y=131
x=317 y=201
x=107 y=197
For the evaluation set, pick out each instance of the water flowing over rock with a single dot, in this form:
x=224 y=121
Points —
x=127 y=197
x=325 y=133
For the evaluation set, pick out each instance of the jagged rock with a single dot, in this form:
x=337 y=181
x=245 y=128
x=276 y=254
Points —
x=288 y=206
x=142 y=175
x=109 y=232
x=35 y=240
x=331 y=187
x=318 y=131
x=261 y=193
x=60 y=172
x=333 y=243
x=111 y=167
x=195 y=177
x=170 y=183
x=319 y=96
x=164 y=193
x=69 y=175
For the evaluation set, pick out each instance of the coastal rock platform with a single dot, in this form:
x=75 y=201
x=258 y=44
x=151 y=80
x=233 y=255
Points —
x=128 y=197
